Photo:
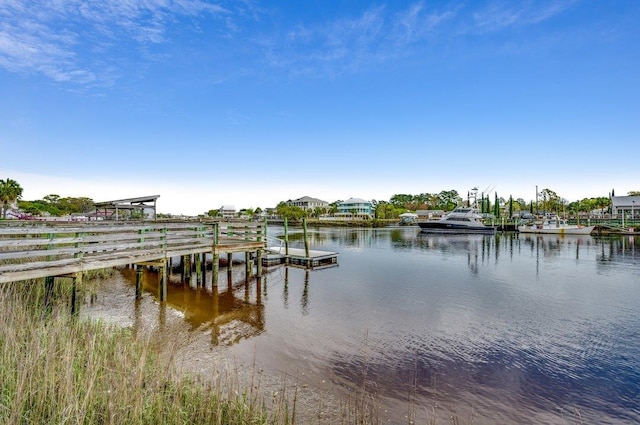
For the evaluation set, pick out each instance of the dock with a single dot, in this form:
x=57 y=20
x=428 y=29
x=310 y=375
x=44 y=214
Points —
x=299 y=257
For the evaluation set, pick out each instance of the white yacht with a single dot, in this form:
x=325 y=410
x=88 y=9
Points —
x=460 y=220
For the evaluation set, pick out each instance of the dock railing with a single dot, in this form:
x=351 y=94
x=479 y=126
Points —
x=35 y=249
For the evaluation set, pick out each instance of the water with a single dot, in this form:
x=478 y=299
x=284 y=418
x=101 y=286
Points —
x=493 y=329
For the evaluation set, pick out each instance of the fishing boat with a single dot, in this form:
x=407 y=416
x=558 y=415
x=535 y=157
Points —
x=554 y=225
x=460 y=220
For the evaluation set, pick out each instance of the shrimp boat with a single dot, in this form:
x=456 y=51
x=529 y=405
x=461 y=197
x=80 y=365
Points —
x=460 y=220
x=554 y=225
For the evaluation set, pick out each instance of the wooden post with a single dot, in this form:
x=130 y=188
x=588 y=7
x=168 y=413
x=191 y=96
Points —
x=203 y=265
x=230 y=270
x=186 y=267
x=215 y=269
x=247 y=265
x=229 y=279
x=74 y=304
x=139 y=272
x=163 y=282
x=306 y=239
x=259 y=266
x=199 y=270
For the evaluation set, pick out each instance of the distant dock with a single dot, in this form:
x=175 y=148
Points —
x=299 y=257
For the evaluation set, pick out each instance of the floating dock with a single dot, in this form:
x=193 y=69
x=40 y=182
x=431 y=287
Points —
x=298 y=257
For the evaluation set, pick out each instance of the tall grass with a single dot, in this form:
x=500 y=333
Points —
x=58 y=369
x=55 y=369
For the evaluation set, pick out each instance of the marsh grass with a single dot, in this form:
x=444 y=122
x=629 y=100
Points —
x=57 y=369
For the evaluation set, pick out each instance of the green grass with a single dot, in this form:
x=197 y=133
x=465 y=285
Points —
x=55 y=369
x=59 y=369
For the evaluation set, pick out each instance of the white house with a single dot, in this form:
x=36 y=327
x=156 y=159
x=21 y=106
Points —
x=227 y=211
x=356 y=207
x=629 y=205
x=308 y=203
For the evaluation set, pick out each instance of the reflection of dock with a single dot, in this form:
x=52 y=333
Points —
x=299 y=257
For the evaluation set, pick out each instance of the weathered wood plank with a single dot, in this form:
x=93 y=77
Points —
x=34 y=251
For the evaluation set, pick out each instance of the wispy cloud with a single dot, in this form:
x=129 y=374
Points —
x=88 y=43
x=53 y=37
x=499 y=15
x=375 y=36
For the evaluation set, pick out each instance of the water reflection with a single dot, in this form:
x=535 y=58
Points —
x=232 y=313
x=524 y=328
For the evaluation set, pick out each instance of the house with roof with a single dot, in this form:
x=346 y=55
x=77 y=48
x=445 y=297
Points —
x=629 y=205
x=308 y=203
x=227 y=211
x=356 y=207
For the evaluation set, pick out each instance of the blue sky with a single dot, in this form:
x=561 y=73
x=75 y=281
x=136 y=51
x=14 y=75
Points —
x=250 y=103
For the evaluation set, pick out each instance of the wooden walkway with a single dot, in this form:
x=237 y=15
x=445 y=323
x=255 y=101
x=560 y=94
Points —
x=31 y=250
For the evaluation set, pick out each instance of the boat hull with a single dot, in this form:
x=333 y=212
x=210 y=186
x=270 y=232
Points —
x=557 y=231
x=439 y=227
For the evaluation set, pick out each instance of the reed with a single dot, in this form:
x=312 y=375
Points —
x=57 y=369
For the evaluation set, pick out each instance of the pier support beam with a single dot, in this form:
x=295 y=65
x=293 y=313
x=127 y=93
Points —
x=139 y=275
x=199 y=280
x=259 y=265
x=215 y=270
x=74 y=302
x=306 y=237
x=163 y=281
x=247 y=265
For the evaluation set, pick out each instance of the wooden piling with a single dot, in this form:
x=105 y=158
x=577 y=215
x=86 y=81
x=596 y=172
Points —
x=74 y=303
x=199 y=280
x=163 y=282
x=247 y=265
x=306 y=238
x=203 y=265
x=139 y=275
x=215 y=269
x=259 y=265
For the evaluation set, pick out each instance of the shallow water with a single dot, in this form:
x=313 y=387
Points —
x=494 y=329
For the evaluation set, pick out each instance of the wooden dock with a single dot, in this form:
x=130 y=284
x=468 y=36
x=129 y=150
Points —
x=299 y=257
x=31 y=250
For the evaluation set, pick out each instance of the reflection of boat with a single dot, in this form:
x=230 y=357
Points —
x=460 y=220
x=554 y=225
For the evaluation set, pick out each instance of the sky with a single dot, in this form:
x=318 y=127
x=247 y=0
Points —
x=250 y=103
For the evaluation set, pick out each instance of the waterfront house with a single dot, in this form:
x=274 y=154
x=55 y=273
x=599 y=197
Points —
x=629 y=205
x=356 y=207
x=227 y=211
x=308 y=203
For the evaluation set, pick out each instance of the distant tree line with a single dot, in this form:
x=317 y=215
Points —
x=446 y=200
x=55 y=205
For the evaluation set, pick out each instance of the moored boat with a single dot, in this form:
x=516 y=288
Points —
x=554 y=225
x=460 y=220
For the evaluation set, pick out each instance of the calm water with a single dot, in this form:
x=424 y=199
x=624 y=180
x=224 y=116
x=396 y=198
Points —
x=501 y=329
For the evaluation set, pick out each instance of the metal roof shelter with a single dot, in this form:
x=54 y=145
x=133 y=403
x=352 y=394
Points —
x=131 y=204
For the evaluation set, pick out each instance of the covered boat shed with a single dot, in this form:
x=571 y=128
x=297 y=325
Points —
x=146 y=205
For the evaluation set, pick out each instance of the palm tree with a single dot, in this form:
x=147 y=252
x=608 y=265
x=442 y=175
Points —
x=10 y=191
